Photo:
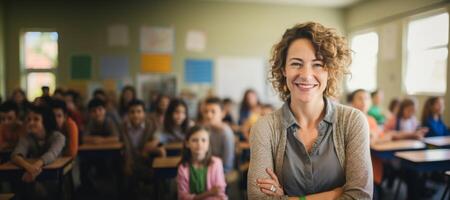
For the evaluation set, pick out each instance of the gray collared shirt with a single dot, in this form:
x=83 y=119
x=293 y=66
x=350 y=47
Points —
x=136 y=134
x=310 y=172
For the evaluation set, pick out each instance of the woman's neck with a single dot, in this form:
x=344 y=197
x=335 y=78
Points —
x=308 y=114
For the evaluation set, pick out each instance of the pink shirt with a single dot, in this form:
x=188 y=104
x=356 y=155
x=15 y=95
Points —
x=215 y=177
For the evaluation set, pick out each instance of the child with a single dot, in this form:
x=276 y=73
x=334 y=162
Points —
x=42 y=142
x=128 y=94
x=67 y=127
x=159 y=108
x=176 y=122
x=375 y=110
x=405 y=123
x=140 y=140
x=222 y=138
x=432 y=117
x=11 y=128
x=360 y=100
x=249 y=102
x=100 y=129
x=200 y=175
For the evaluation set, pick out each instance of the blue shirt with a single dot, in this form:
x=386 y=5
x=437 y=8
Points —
x=437 y=127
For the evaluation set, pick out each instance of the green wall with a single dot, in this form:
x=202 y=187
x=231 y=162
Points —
x=2 y=52
x=233 y=29
x=388 y=19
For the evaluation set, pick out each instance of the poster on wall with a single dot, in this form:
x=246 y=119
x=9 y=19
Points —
x=81 y=67
x=149 y=85
x=234 y=75
x=195 y=41
x=114 y=67
x=157 y=39
x=198 y=71
x=156 y=63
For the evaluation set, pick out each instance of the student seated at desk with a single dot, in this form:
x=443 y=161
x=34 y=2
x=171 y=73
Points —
x=176 y=122
x=200 y=175
x=405 y=123
x=141 y=141
x=100 y=129
x=66 y=126
x=42 y=142
x=432 y=117
x=11 y=128
x=222 y=137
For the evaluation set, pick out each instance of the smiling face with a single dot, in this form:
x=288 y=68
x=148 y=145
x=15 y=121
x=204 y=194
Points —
x=35 y=124
x=306 y=76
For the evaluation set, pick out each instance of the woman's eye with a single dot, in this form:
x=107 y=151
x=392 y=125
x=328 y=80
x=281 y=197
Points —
x=318 y=65
x=296 y=64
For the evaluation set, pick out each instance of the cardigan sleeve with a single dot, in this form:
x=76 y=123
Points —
x=358 y=164
x=261 y=157
x=72 y=135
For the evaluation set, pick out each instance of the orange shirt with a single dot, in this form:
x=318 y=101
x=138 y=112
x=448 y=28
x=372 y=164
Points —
x=70 y=131
x=377 y=164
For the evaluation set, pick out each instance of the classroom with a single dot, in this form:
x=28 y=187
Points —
x=224 y=99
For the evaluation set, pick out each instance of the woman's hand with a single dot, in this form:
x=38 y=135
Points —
x=270 y=186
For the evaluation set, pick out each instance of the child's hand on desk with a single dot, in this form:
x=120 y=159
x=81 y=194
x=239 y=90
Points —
x=420 y=133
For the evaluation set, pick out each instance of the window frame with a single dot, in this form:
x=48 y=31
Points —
x=404 y=61
x=350 y=41
x=24 y=72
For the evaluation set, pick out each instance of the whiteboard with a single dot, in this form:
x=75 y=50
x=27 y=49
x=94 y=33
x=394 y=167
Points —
x=234 y=75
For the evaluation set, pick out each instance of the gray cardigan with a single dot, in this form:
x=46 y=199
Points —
x=351 y=141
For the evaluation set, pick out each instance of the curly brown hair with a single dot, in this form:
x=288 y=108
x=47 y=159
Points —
x=331 y=48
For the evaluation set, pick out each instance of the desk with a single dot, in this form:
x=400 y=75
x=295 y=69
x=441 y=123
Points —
x=386 y=150
x=164 y=168
x=56 y=170
x=425 y=160
x=174 y=148
x=6 y=196
x=438 y=142
x=447 y=173
x=245 y=146
x=102 y=149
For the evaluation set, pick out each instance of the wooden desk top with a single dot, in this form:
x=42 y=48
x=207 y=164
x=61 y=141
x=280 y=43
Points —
x=6 y=196
x=58 y=163
x=101 y=146
x=174 y=146
x=244 y=145
x=167 y=162
x=440 y=141
x=432 y=155
x=398 y=145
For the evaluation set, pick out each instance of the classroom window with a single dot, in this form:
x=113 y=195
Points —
x=426 y=59
x=39 y=61
x=364 y=63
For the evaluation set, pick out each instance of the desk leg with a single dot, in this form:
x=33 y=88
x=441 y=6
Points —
x=397 y=189
x=446 y=190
